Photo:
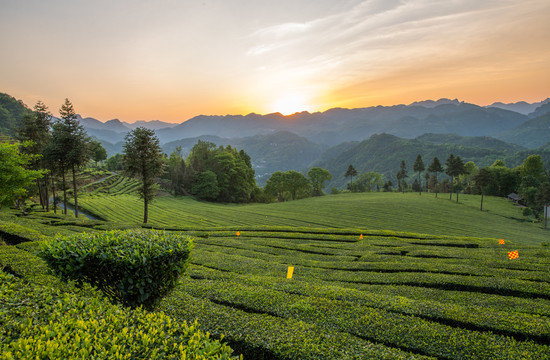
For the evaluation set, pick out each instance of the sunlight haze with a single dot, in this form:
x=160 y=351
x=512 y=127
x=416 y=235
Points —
x=172 y=60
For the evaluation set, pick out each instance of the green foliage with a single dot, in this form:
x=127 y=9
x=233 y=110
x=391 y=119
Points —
x=176 y=172
x=505 y=180
x=368 y=182
x=115 y=163
x=15 y=233
x=418 y=295
x=44 y=322
x=12 y=112
x=533 y=166
x=143 y=158
x=317 y=176
x=15 y=178
x=206 y=186
x=98 y=152
x=132 y=267
x=233 y=170
x=374 y=210
x=401 y=176
x=289 y=184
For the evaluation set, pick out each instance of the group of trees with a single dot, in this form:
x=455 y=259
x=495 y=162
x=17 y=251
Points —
x=530 y=180
x=214 y=173
x=294 y=185
x=55 y=148
x=366 y=182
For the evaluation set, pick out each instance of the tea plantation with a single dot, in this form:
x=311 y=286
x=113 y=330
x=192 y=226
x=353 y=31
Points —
x=357 y=292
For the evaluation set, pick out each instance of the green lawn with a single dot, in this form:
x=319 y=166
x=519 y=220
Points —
x=407 y=212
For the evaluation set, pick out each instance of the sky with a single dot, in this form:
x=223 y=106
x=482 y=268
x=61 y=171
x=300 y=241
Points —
x=170 y=60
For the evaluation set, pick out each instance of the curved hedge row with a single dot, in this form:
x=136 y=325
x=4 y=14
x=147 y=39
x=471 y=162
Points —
x=45 y=323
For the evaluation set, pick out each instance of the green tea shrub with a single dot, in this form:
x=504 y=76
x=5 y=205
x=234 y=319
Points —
x=133 y=267
x=38 y=322
x=14 y=233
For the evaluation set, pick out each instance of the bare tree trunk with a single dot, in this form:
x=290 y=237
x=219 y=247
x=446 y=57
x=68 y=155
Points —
x=54 y=199
x=145 y=210
x=47 y=195
x=40 y=194
x=545 y=215
x=75 y=194
x=481 y=206
x=64 y=191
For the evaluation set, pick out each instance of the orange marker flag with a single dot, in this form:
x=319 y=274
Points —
x=290 y=272
x=361 y=237
x=501 y=241
x=513 y=255
x=238 y=233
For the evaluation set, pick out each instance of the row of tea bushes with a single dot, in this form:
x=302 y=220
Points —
x=454 y=324
x=45 y=323
x=261 y=336
x=242 y=261
x=13 y=233
x=403 y=299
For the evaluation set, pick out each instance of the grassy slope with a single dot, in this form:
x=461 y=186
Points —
x=391 y=211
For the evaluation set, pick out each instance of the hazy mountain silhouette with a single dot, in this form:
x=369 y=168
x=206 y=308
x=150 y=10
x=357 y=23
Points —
x=521 y=107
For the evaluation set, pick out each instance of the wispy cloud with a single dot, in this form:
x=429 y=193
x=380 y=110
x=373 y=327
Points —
x=377 y=37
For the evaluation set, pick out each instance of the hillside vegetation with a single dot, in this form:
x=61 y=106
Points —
x=392 y=211
x=353 y=294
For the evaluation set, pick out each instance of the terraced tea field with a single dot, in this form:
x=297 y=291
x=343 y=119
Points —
x=357 y=292
x=387 y=295
x=390 y=211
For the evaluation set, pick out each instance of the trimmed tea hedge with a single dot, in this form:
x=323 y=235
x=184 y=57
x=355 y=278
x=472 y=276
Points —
x=133 y=267
x=261 y=336
x=38 y=322
x=14 y=234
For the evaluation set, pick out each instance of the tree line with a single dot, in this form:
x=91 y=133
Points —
x=530 y=180
x=47 y=151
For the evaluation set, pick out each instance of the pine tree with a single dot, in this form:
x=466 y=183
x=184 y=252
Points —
x=435 y=167
x=69 y=148
x=401 y=175
x=418 y=167
x=351 y=172
x=143 y=158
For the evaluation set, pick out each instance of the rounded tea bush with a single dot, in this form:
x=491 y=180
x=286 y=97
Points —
x=133 y=267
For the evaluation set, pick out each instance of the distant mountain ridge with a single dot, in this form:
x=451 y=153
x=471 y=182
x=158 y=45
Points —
x=521 y=107
x=337 y=125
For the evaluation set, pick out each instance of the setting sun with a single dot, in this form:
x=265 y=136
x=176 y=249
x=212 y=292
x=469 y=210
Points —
x=290 y=103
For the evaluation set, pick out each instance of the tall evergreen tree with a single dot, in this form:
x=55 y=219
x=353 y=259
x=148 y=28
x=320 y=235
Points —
x=418 y=167
x=455 y=167
x=436 y=168
x=70 y=147
x=143 y=158
x=351 y=172
x=35 y=127
x=402 y=175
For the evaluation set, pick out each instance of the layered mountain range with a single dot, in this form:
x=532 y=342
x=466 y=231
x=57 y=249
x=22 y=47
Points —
x=338 y=125
x=372 y=138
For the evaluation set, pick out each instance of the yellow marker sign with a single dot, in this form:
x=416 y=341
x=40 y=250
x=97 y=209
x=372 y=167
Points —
x=290 y=272
x=513 y=255
x=361 y=237
x=238 y=233
x=501 y=241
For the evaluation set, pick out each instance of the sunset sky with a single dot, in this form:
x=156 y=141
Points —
x=172 y=60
